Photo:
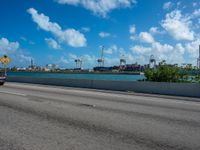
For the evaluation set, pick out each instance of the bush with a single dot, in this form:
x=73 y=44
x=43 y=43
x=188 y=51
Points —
x=197 y=78
x=165 y=73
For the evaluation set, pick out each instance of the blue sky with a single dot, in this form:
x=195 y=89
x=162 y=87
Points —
x=59 y=31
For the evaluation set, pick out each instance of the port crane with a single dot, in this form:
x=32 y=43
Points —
x=101 y=60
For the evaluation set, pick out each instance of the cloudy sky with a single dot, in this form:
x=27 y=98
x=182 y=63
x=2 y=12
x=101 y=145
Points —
x=59 y=31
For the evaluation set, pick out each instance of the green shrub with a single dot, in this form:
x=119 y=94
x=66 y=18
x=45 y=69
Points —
x=166 y=73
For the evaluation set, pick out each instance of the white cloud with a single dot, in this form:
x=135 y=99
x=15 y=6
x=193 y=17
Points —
x=104 y=34
x=85 y=29
x=162 y=48
x=192 y=48
x=167 y=5
x=179 y=3
x=7 y=47
x=63 y=60
x=180 y=49
x=132 y=29
x=13 y=50
x=23 y=38
x=130 y=58
x=183 y=28
x=155 y=48
x=111 y=50
x=196 y=13
x=133 y=37
x=100 y=7
x=116 y=53
x=140 y=49
x=178 y=26
x=173 y=54
x=52 y=43
x=146 y=37
x=70 y=36
x=194 y=4
x=73 y=56
x=88 y=61
x=108 y=51
x=155 y=30
x=24 y=58
x=72 y=2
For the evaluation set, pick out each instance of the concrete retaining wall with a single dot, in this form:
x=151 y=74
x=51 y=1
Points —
x=178 y=89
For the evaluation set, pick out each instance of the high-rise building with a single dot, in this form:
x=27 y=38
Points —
x=31 y=63
x=198 y=59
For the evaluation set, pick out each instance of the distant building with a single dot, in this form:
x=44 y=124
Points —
x=51 y=67
x=152 y=62
x=21 y=69
x=198 y=59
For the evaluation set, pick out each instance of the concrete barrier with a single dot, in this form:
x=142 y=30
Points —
x=177 y=89
x=52 y=81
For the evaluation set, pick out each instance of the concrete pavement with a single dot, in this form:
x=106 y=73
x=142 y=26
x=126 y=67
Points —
x=36 y=117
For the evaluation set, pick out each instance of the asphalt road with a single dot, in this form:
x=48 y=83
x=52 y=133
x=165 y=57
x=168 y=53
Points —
x=36 y=117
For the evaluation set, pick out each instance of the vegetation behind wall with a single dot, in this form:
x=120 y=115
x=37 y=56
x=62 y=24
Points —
x=167 y=73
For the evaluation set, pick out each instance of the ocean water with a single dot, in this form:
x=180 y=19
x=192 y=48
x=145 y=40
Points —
x=118 y=77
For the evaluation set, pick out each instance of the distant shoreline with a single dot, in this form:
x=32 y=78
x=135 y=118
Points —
x=76 y=72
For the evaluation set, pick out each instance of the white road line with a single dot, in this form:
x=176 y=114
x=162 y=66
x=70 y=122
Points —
x=13 y=93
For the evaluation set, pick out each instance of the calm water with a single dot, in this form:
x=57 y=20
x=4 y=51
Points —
x=121 y=77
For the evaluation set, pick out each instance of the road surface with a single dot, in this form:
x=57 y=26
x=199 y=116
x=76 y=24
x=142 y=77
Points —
x=36 y=117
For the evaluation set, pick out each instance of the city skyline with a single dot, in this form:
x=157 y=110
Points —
x=65 y=30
